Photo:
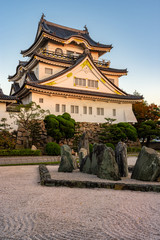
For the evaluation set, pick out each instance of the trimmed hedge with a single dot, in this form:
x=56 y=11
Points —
x=19 y=152
x=110 y=145
x=133 y=149
x=53 y=149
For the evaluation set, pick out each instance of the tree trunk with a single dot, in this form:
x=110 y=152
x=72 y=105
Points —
x=148 y=141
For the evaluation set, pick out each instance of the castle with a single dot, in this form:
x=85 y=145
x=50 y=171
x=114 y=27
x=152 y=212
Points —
x=64 y=74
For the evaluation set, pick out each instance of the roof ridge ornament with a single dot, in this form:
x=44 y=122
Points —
x=42 y=17
x=86 y=29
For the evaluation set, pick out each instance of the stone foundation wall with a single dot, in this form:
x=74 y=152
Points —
x=22 y=138
x=93 y=130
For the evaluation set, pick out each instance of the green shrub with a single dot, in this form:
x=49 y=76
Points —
x=19 y=152
x=133 y=149
x=90 y=148
x=53 y=149
x=110 y=145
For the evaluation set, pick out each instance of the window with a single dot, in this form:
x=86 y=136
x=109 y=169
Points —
x=100 y=111
x=80 y=82
x=63 y=108
x=70 y=53
x=49 y=71
x=93 y=83
x=84 y=82
x=85 y=110
x=57 y=108
x=77 y=54
x=40 y=100
x=74 y=109
x=114 y=112
x=90 y=110
x=58 y=51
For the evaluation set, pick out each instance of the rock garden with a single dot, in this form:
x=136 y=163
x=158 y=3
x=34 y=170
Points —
x=103 y=168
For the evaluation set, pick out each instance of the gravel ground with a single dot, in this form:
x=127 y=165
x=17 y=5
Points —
x=29 y=211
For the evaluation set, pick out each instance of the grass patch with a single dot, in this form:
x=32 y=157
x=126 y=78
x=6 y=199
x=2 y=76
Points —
x=28 y=164
x=20 y=152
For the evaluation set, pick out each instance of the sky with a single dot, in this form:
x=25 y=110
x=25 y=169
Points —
x=131 y=26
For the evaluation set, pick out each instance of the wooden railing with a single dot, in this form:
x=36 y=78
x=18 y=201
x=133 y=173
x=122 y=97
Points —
x=69 y=57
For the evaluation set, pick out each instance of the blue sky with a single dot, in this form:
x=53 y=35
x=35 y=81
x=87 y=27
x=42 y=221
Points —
x=131 y=26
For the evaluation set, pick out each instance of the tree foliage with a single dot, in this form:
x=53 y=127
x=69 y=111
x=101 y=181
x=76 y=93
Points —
x=113 y=133
x=61 y=126
x=4 y=125
x=147 y=120
x=145 y=112
x=7 y=139
x=148 y=130
x=29 y=117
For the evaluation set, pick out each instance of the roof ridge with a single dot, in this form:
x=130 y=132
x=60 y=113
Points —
x=64 y=27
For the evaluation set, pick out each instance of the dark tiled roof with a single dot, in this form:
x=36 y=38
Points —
x=23 y=63
x=66 y=32
x=16 y=87
x=113 y=70
x=6 y=97
x=32 y=76
x=91 y=93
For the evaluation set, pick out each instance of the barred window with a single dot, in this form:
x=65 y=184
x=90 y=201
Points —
x=92 y=83
x=63 y=108
x=74 y=109
x=114 y=112
x=84 y=110
x=100 y=111
x=40 y=100
x=80 y=82
x=90 y=110
x=48 y=71
x=57 y=108
x=70 y=53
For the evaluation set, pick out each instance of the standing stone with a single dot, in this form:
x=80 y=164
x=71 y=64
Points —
x=104 y=163
x=121 y=158
x=147 y=167
x=84 y=142
x=82 y=155
x=66 y=164
x=84 y=161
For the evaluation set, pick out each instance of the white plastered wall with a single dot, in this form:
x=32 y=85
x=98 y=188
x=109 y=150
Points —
x=5 y=114
x=27 y=99
x=42 y=66
x=123 y=111
x=86 y=72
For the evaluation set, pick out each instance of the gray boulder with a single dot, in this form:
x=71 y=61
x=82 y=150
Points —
x=66 y=164
x=82 y=154
x=84 y=142
x=103 y=163
x=147 y=167
x=121 y=158
x=85 y=166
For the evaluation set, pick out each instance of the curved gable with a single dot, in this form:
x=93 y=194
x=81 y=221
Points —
x=84 y=75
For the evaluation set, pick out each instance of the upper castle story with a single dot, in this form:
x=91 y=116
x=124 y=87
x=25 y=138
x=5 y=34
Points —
x=57 y=48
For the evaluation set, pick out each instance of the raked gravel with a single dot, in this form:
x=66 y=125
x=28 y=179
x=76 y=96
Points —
x=29 y=211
